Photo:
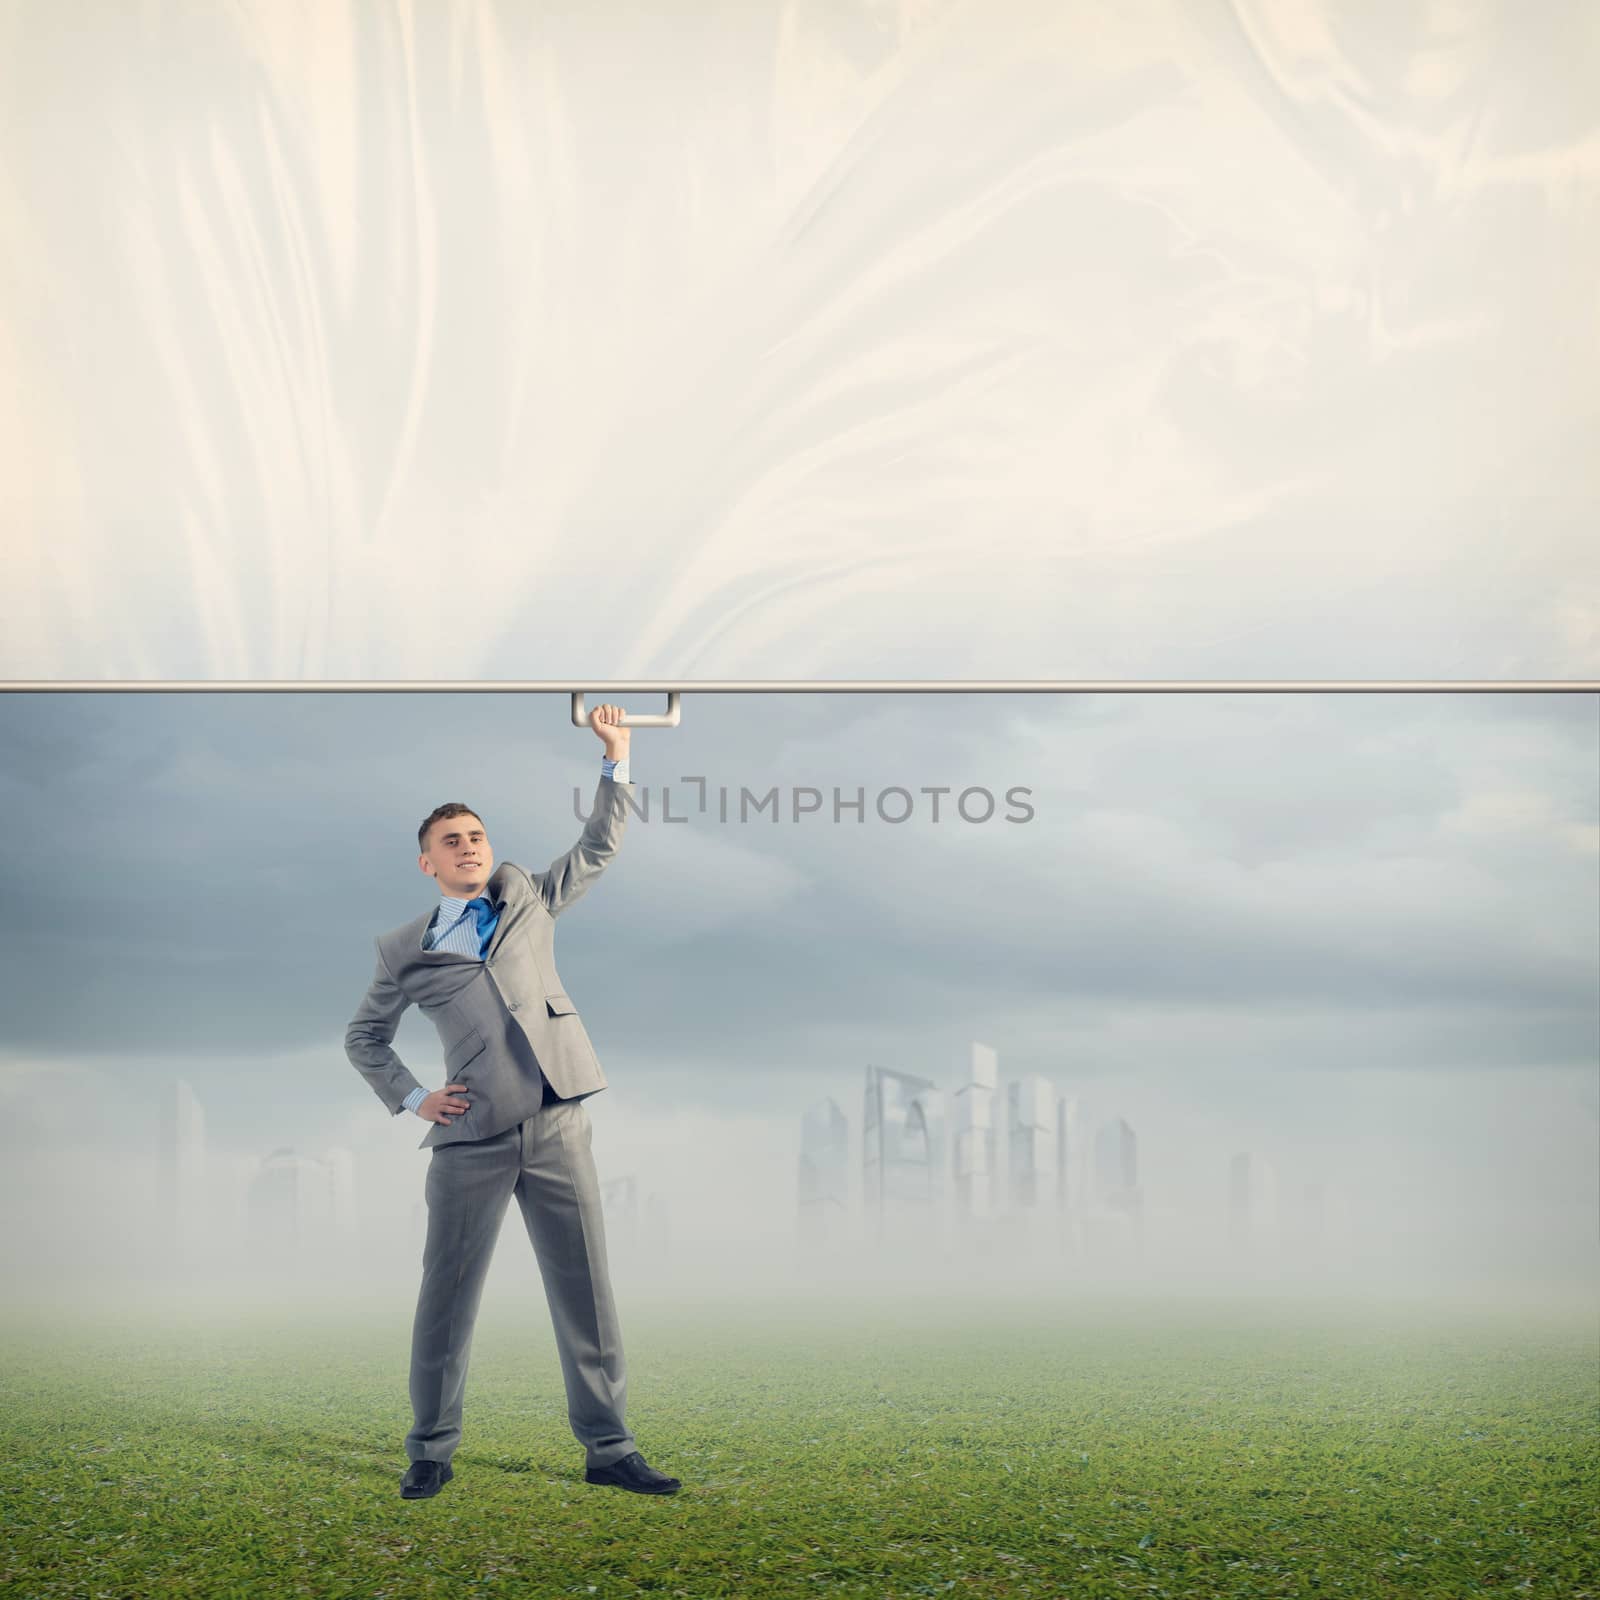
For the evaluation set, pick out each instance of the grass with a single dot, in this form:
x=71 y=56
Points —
x=988 y=1449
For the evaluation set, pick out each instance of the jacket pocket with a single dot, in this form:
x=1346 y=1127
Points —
x=468 y=1046
x=559 y=1005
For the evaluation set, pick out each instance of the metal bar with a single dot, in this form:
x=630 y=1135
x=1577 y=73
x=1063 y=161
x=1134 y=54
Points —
x=677 y=686
x=651 y=719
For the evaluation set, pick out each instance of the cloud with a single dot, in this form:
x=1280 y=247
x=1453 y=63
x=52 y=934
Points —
x=1236 y=854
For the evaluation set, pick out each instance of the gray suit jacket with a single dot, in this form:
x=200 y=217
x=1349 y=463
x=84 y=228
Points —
x=500 y=1019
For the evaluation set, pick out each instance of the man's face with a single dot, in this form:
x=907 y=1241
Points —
x=458 y=855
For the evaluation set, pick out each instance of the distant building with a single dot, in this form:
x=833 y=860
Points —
x=824 y=1173
x=1072 y=1188
x=973 y=1134
x=290 y=1208
x=1313 y=1215
x=1115 y=1215
x=655 y=1228
x=1116 y=1167
x=1030 y=1140
x=1252 y=1200
x=904 y=1156
x=183 y=1206
x=1071 y=1168
x=344 y=1226
x=619 y=1207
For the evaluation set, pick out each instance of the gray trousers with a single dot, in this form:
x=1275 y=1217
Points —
x=546 y=1161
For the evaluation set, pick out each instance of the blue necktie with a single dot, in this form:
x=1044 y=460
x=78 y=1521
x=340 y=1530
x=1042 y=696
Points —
x=487 y=918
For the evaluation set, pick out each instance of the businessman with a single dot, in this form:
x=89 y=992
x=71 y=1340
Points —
x=509 y=1120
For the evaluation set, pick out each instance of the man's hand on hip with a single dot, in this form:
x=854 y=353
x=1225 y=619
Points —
x=443 y=1103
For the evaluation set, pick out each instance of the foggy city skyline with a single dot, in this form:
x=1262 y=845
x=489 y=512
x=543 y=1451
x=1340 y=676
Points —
x=1351 y=936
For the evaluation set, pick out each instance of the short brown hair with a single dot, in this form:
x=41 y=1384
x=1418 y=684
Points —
x=438 y=814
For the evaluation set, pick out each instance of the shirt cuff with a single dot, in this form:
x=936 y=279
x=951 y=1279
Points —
x=415 y=1098
x=615 y=769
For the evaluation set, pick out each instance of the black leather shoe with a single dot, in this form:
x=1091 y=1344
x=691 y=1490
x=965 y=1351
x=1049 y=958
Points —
x=424 y=1478
x=633 y=1472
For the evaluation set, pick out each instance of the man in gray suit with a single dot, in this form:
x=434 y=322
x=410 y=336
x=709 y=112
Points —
x=509 y=1120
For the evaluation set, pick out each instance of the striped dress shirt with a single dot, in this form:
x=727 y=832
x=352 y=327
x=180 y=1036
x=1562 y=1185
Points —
x=455 y=928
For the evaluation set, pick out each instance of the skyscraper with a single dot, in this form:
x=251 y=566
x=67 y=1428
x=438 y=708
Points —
x=619 y=1209
x=183 y=1206
x=289 y=1209
x=655 y=1229
x=1252 y=1201
x=340 y=1165
x=1030 y=1141
x=1116 y=1166
x=1071 y=1173
x=972 y=1128
x=903 y=1156
x=824 y=1173
x=1116 y=1210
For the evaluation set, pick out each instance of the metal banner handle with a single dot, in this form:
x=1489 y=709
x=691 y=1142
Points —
x=634 y=719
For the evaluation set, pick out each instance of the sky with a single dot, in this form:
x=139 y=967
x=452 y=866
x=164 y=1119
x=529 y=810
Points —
x=1354 y=933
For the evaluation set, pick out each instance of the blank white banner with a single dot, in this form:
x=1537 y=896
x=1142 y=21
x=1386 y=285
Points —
x=799 y=341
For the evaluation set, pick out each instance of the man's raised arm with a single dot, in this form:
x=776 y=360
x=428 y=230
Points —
x=569 y=876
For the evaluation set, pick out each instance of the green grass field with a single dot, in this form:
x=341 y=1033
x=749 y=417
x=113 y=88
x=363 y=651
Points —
x=992 y=1449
